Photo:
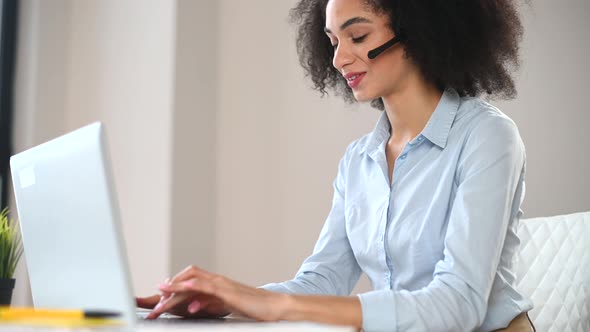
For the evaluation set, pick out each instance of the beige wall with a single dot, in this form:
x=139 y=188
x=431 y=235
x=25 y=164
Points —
x=192 y=214
x=40 y=84
x=121 y=71
x=84 y=61
x=279 y=146
x=551 y=110
x=224 y=157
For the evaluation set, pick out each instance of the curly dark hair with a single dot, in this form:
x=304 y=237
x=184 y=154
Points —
x=468 y=45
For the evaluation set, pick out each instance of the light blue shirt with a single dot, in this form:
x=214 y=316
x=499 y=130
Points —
x=438 y=245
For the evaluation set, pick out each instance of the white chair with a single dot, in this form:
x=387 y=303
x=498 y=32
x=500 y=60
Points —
x=554 y=271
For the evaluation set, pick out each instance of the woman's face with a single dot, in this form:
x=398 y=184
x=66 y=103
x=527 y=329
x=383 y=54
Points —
x=354 y=29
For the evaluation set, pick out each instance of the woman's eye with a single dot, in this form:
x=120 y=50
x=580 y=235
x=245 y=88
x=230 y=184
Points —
x=355 y=40
x=359 y=39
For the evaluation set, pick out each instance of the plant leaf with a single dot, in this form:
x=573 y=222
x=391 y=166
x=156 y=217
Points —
x=11 y=248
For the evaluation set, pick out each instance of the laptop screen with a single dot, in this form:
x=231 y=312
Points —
x=70 y=224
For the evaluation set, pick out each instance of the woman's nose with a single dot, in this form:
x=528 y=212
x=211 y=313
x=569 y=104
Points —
x=342 y=57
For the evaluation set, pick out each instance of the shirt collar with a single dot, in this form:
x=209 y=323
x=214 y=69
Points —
x=379 y=134
x=436 y=130
x=439 y=125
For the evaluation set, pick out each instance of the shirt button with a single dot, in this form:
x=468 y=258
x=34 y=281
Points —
x=403 y=156
x=420 y=138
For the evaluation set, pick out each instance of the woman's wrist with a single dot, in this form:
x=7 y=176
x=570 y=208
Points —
x=338 y=310
x=287 y=305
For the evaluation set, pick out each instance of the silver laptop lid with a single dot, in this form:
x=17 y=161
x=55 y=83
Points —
x=70 y=224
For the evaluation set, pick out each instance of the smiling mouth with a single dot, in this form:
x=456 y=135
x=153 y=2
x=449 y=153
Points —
x=352 y=78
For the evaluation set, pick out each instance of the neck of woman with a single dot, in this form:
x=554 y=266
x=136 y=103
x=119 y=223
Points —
x=410 y=107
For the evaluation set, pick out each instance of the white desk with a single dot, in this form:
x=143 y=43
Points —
x=192 y=326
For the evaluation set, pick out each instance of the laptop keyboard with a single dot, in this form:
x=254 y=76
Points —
x=166 y=318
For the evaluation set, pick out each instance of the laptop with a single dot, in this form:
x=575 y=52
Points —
x=71 y=231
x=71 y=226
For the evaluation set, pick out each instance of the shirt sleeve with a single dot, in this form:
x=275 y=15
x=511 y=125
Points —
x=332 y=268
x=489 y=191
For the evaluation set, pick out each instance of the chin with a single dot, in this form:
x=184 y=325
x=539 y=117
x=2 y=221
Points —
x=363 y=97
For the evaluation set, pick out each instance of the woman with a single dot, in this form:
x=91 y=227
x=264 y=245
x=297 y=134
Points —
x=428 y=203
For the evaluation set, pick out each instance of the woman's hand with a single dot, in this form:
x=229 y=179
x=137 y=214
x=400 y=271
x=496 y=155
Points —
x=203 y=293
x=148 y=302
x=208 y=309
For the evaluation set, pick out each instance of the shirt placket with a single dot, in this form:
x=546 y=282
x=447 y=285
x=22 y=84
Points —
x=400 y=164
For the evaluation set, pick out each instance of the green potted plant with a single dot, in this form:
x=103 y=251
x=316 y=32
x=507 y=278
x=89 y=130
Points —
x=11 y=250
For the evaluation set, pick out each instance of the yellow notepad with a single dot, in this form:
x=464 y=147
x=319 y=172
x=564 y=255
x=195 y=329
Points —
x=56 y=318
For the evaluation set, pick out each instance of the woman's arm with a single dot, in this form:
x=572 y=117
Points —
x=337 y=310
x=198 y=287
x=332 y=268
